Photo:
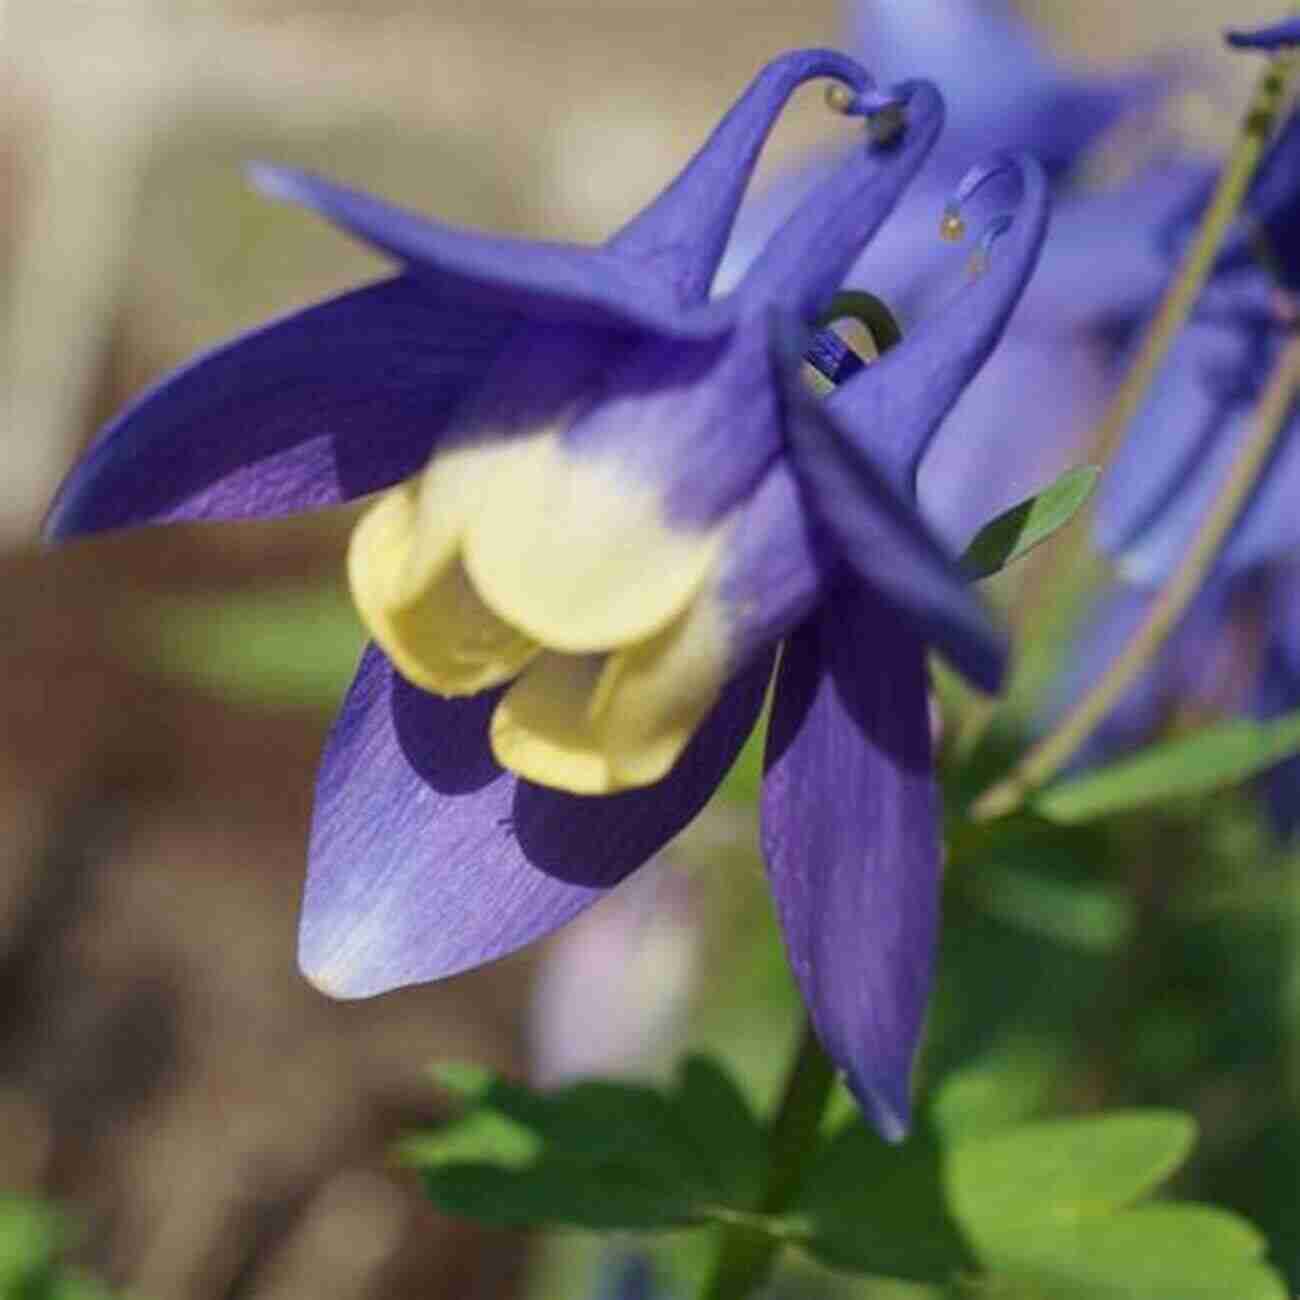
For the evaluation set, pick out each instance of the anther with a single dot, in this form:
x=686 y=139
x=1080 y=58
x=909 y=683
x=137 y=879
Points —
x=951 y=225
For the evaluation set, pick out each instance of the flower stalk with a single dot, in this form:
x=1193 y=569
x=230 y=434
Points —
x=1056 y=749
x=747 y=1255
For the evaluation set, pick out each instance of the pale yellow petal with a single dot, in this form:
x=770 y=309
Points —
x=541 y=728
x=596 y=725
x=439 y=635
x=578 y=555
x=652 y=697
x=450 y=492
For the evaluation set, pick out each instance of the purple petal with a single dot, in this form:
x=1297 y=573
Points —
x=1001 y=81
x=771 y=575
x=1180 y=447
x=428 y=859
x=1269 y=529
x=850 y=833
x=698 y=421
x=1274 y=206
x=1109 y=253
x=1187 y=409
x=807 y=259
x=1275 y=37
x=546 y=281
x=894 y=406
x=879 y=536
x=1026 y=417
x=682 y=234
x=322 y=406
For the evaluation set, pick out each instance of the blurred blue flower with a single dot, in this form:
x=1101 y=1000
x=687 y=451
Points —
x=628 y=1276
x=607 y=498
x=1235 y=649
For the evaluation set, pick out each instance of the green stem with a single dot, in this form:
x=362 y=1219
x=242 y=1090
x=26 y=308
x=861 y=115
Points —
x=1257 y=125
x=1055 y=750
x=746 y=1256
x=1290 y=872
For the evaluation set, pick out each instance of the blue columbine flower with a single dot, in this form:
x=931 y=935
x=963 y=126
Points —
x=605 y=499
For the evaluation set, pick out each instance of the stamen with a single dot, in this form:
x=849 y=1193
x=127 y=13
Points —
x=840 y=98
x=830 y=355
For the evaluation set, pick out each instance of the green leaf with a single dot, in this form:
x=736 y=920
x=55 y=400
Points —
x=1017 y=531
x=718 y=1121
x=1008 y=1186
x=596 y=1154
x=1153 y=1252
x=1217 y=756
x=1007 y=1086
x=1086 y=916
x=33 y=1235
x=1048 y=1208
x=870 y=1207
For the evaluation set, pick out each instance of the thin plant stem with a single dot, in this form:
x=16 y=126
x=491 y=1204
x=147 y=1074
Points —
x=747 y=1255
x=1056 y=749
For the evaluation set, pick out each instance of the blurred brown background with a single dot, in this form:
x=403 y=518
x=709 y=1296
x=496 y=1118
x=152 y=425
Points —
x=161 y=1063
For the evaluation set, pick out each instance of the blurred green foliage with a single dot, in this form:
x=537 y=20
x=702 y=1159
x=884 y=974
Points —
x=33 y=1238
x=1015 y=532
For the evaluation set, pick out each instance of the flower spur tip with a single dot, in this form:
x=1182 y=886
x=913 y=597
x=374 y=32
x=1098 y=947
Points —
x=952 y=222
x=884 y=111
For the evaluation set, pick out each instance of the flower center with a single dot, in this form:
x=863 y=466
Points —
x=514 y=560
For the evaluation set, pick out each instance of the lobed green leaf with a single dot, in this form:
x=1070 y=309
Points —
x=596 y=1154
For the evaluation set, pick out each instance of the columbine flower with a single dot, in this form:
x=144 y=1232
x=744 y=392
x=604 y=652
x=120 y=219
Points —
x=606 y=498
